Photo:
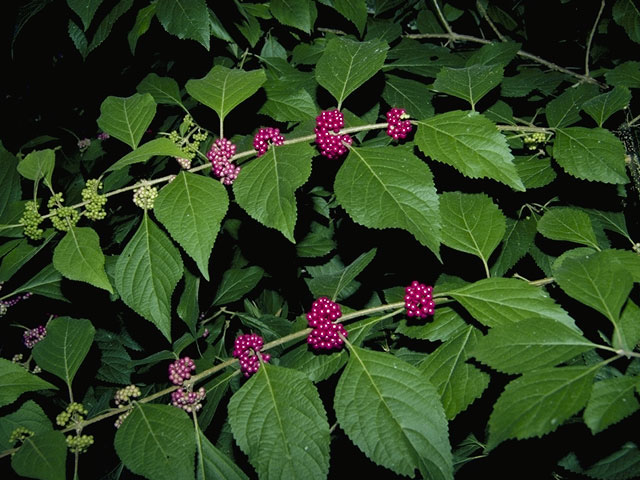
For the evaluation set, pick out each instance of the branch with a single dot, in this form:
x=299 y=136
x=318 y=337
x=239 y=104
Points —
x=483 y=12
x=443 y=20
x=593 y=31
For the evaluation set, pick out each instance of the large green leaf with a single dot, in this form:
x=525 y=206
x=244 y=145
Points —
x=21 y=254
x=469 y=83
x=388 y=409
x=332 y=283
x=42 y=456
x=414 y=97
x=223 y=89
x=516 y=242
x=600 y=108
x=236 y=282
x=285 y=103
x=191 y=208
x=158 y=442
x=143 y=22
x=388 y=187
x=188 y=308
x=538 y=402
x=471 y=223
x=627 y=329
x=15 y=380
x=38 y=164
x=212 y=464
x=626 y=14
x=347 y=64
x=85 y=9
x=158 y=146
x=185 y=19
x=163 y=89
x=295 y=13
x=115 y=362
x=147 y=272
x=78 y=256
x=10 y=189
x=590 y=154
x=530 y=344
x=446 y=324
x=565 y=108
x=457 y=382
x=46 y=283
x=626 y=74
x=595 y=281
x=65 y=347
x=278 y=420
x=568 y=224
x=471 y=143
x=534 y=171
x=127 y=118
x=266 y=187
x=612 y=399
x=107 y=23
x=30 y=416
x=354 y=11
x=496 y=53
x=501 y=301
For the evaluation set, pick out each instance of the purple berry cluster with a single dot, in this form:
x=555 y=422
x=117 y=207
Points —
x=328 y=139
x=265 y=137
x=326 y=334
x=34 y=335
x=5 y=304
x=220 y=156
x=189 y=401
x=245 y=349
x=180 y=370
x=399 y=125
x=418 y=300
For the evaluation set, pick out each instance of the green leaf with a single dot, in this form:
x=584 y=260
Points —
x=530 y=79
x=85 y=9
x=78 y=38
x=10 y=189
x=595 y=281
x=164 y=90
x=333 y=284
x=530 y=344
x=423 y=59
x=626 y=74
x=223 y=89
x=298 y=14
x=415 y=97
x=353 y=10
x=469 y=83
x=188 y=308
x=16 y=380
x=612 y=399
x=104 y=29
x=236 y=282
x=159 y=146
x=388 y=187
x=38 y=164
x=516 y=242
x=213 y=464
x=42 y=456
x=457 y=382
x=389 y=411
x=626 y=14
x=471 y=143
x=538 y=402
x=612 y=221
x=147 y=272
x=535 y=172
x=496 y=53
x=143 y=22
x=502 y=301
x=65 y=347
x=600 y=108
x=266 y=187
x=115 y=362
x=565 y=109
x=285 y=104
x=185 y=19
x=127 y=118
x=46 y=283
x=623 y=464
x=79 y=257
x=317 y=243
x=21 y=254
x=168 y=449
x=590 y=154
x=346 y=64
x=283 y=407
x=30 y=416
x=446 y=324
x=627 y=330
x=471 y=223
x=568 y=224
x=191 y=208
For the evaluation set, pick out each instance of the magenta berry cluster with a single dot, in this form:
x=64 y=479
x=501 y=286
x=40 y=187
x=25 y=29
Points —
x=245 y=349
x=189 y=401
x=180 y=370
x=399 y=125
x=34 y=335
x=220 y=156
x=328 y=139
x=418 y=300
x=5 y=304
x=265 y=137
x=326 y=334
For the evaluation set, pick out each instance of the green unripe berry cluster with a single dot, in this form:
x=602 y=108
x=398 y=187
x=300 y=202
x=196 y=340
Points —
x=94 y=209
x=31 y=220
x=189 y=137
x=532 y=141
x=79 y=443
x=124 y=395
x=20 y=434
x=144 y=196
x=63 y=218
x=74 y=412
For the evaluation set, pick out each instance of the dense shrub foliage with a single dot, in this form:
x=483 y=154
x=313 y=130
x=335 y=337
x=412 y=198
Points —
x=264 y=240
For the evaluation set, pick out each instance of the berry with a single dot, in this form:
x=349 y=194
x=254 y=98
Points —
x=33 y=336
x=189 y=401
x=180 y=370
x=185 y=163
x=74 y=413
x=79 y=443
x=144 y=196
x=220 y=157
x=124 y=395
x=94 y=209
x=330 y=143
x=418 y=300
x=245 y=349
x=266 y=137
x=103 y=136
x=20 y=434
x=63 y=218
x=532 y=141
x=31 y=219
x=399 y=125
x=326 y=334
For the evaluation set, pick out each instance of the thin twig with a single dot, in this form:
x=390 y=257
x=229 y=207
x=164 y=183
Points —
x=443 y=20
x=483 y=12
x=593 y=31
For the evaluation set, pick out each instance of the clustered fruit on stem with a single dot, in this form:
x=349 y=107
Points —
x=326 y=334
x=34 y=335
x=184 y=397
x=247 y=351
x=331 y=143
x=418 y=300
x=266 y=137
x=220 y=157
x=399 y=123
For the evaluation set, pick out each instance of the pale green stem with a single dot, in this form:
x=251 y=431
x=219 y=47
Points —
x=593 y=31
